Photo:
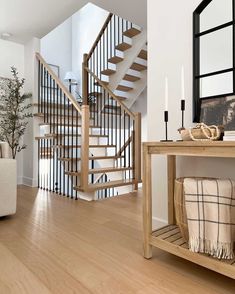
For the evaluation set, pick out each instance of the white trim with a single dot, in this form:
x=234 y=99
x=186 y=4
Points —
x=30 y=182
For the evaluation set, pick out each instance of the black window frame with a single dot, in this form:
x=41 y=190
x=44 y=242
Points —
x=197 y=100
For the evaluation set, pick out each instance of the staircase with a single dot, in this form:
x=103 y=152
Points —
x=93 y=151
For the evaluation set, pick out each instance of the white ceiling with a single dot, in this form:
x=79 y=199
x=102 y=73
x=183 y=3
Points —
x=25 y=19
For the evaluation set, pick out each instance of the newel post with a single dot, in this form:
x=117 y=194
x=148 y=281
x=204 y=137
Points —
x=85 y=147
x=137 y=147
x=85 y=80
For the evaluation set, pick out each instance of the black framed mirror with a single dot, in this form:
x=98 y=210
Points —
x=214 y=62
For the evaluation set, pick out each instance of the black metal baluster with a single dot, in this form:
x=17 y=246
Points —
x=61 y=140
x=122 y=30
x=64 y=141
x=72 y=153
x=116 y=130
x=57 y=141
x=51 y=131
x=129 y=146
x=39 y=86
x=47 y=114
x=102 y=126
x=76 y=160
x=120 y=137
x=118 y=30
x=107 y=47
x=68 y=145
x=124 y=139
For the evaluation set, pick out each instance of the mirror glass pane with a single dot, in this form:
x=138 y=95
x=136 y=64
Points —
x=216 y=85
x=216 y=51
x=218 y=12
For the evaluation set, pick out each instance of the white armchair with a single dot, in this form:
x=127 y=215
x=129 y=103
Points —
x=8 y=183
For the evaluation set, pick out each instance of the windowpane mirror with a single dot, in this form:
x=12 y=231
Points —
x=217 y=12
x=214 y=57
x=216 y=85
x=216 y=51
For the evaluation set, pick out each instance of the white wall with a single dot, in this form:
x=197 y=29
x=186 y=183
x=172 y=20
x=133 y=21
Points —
x=170 y=47
x=30 y=154
x=86 y=25
x=140 y=105
x=56 y=47
x=12 y=54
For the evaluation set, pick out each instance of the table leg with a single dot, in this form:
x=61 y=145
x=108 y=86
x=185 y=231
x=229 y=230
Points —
x=171 y=172
x=147 y=202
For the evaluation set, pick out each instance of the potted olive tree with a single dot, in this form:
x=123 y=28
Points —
x=14 y=113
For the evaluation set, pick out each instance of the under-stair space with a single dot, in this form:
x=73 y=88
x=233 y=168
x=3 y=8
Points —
x=93 y=151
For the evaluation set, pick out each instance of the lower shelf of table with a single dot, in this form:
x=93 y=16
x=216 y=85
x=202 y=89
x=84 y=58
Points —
x=169 y=239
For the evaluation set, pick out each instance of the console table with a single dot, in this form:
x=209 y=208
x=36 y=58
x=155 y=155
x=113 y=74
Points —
x=168 y=238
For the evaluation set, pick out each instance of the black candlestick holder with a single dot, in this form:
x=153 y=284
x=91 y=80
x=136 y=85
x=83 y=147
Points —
x=166 y=127
x=182 y=110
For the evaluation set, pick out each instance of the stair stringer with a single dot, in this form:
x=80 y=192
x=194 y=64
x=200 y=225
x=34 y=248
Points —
x=130 y=55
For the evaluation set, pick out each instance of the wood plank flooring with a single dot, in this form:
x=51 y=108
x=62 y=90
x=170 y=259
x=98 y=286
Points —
x=56 y=245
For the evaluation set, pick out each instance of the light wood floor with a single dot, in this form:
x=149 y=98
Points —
x=56 y=245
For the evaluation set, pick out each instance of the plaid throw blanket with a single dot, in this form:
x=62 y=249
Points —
x=210 y=207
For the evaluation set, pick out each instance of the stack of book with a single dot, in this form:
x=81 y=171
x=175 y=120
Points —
x=229 y=136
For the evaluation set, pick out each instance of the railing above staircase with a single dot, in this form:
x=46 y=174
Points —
x=61 y=115
x=107 y=109
x=68 y=162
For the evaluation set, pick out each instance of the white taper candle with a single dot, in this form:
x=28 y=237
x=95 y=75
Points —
x=182 y=84
x=166 y=93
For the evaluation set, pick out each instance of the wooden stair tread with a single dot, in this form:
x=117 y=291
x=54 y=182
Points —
x=55 y=136
x=119 y=97
x=131 y=78
x=79 y=146
x=54 y=105
x=115 y=59
x=100 y=170
x=124 y=88
x=123 y=46
x=138 y=67
x=38 y=114
x=132 y=32
x=91 y=158
x=105 y=83
x=79 y=135
x=102 y=186
x=66 y=125
x=143 y=54
x=108 y=72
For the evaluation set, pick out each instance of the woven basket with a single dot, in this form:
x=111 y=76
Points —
x=202 y=132
x=180 y=209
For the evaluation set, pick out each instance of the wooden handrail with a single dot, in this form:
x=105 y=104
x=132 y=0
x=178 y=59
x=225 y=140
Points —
x=126 y=144
x=59 y=83
x=123 y=106
x=99 y=35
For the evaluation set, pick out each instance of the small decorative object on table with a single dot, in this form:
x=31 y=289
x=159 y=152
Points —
x=229 y=136
x=182 y=110
x=166 y=127
x=201 y=132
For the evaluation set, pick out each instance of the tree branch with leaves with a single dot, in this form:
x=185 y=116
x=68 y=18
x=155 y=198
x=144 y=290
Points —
x=14 y=113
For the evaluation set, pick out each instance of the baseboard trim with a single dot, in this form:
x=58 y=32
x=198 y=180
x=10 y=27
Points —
x=30 y=182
